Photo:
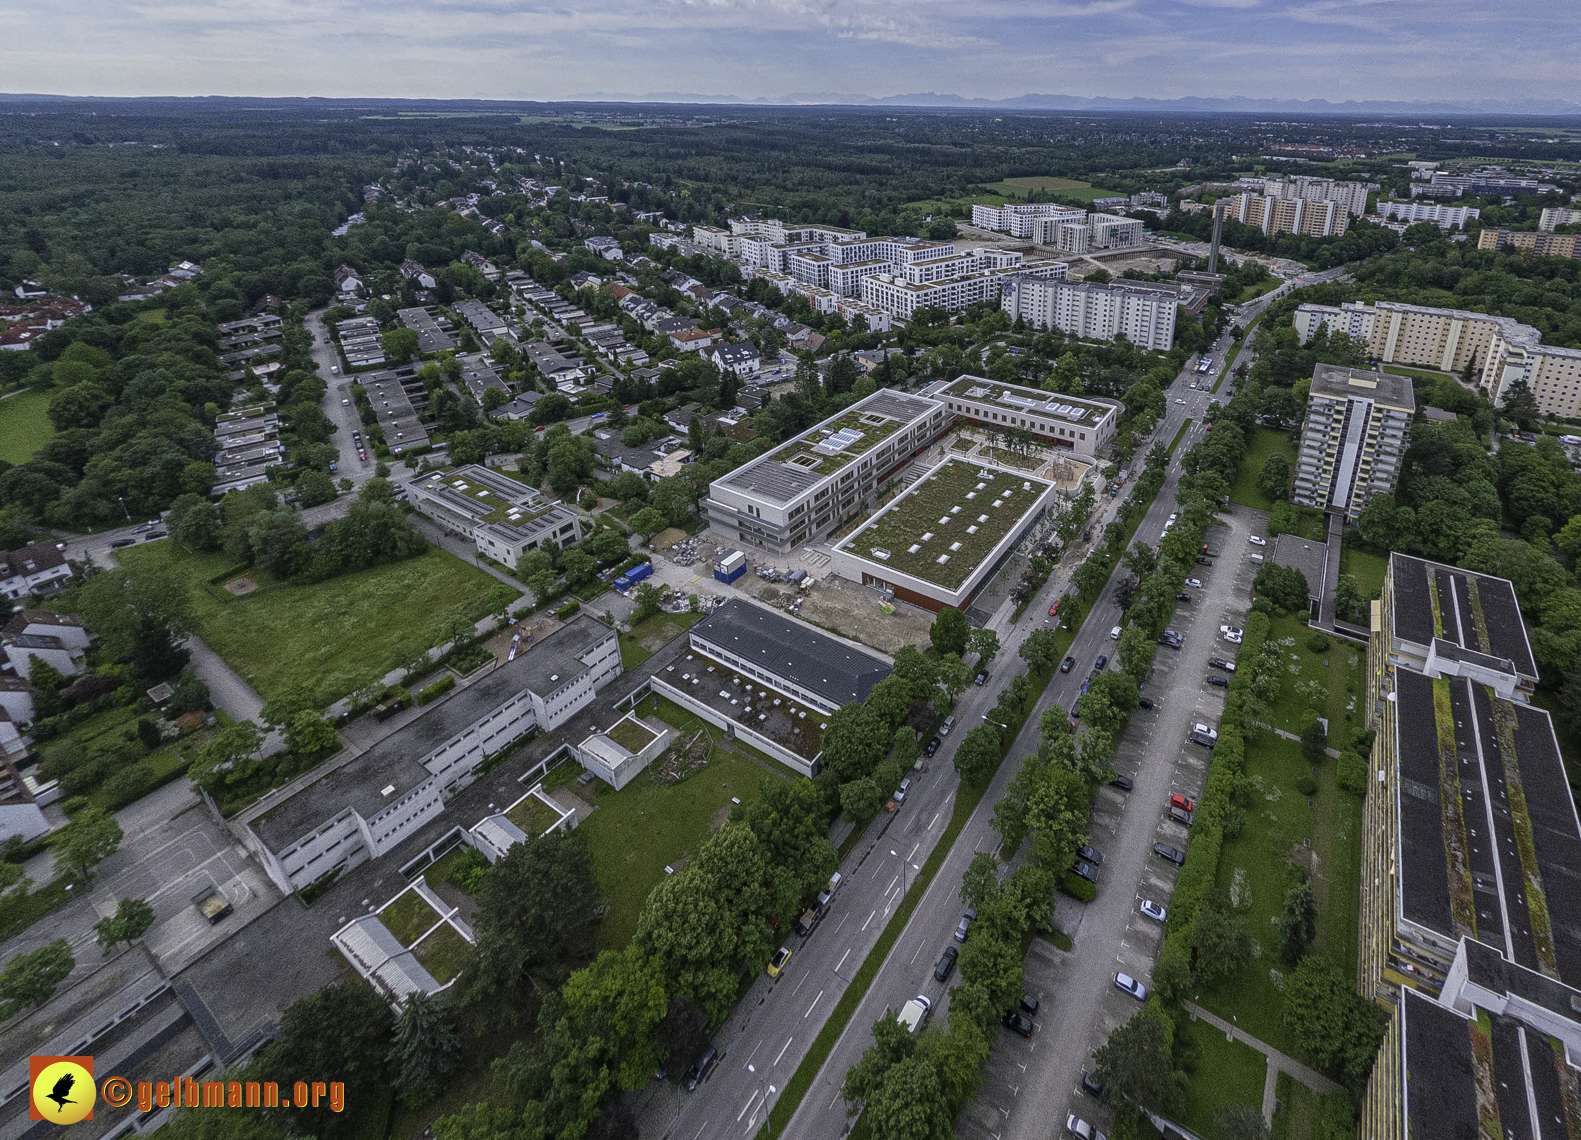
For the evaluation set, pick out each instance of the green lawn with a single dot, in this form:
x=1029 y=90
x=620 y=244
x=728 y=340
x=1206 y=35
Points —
x=443 y=953
x=1226 y=1073
x=1302 y=1111
x=637 y=831
x=1257 y=867
x=335 y=635
x=409 y=918
x=24 y=426
x=1265 y=442
x=1368 y=570
x=648 y=637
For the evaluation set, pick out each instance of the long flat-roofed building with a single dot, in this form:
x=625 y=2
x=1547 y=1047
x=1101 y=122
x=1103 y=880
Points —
x=1081 y=424
x=1353 y=439
x=505 y=517
x=1470 y=828
x=801 y=490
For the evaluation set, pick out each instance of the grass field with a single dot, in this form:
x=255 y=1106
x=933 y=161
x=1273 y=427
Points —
x=639 y=830
x=647 y=638
x=1282 y=832
x=1019 y=186
x=1368 y=570
x=1226 y=1073
x=1265 y=442
x=335 y=635
x=24 y=426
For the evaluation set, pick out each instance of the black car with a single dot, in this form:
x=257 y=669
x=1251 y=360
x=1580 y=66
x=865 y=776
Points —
x=700 y=1067
x=1174 y=854
x=933 y=746
x=120 y=542
x=1144 y=703
x=1220 y=663
x=1103 y=659
x=1085 y=871
x=1091 y=854
x=982 y=678
x=1075 y=710
x=1121 y=782
x=1017 y=1023
x=1217 y=681
x=1182 y=597
x=1067 y=665
x=1029 y=1005
x=153 y=534
x=946 y=965
x=1091 y=1085
x=1204 y=560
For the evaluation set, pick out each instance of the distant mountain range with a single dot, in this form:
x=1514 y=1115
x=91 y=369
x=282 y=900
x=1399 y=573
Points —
x=1190 y=103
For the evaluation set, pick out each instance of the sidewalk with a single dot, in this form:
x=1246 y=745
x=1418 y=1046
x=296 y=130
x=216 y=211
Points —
x=1277 y=1061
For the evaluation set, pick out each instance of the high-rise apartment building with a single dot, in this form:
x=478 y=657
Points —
x=1291 y=215
x=1018 y=218
x=1557 y=216
x=1351 y=195
x=1100 y=231
x=1471 y=845
x=1442 y=216
x=1353 y=439
x=1091 y=311
x=1531 y=244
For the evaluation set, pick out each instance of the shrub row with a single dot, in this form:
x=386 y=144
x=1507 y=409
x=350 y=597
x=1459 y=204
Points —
x=438 y=689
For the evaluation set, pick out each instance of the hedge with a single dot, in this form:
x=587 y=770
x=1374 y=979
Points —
x=1077 y=887
x=438 y=689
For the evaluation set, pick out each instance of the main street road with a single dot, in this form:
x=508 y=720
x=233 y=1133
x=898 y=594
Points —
x=907 y=971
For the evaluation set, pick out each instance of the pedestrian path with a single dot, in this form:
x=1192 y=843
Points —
x=1333 y=753
x=1277 y=1062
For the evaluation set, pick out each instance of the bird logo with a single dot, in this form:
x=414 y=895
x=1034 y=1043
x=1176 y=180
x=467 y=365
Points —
x=63 y=1089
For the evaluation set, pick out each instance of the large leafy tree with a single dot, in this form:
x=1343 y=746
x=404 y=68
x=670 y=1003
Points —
x=343 y=1029
x=1135 y=1065
x=30 y=979
x=140 y=618
x=91 y=837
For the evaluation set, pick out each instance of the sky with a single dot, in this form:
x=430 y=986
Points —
x=1454 y=50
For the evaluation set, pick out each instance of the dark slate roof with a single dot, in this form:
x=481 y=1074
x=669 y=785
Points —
x=1501 y=614
x=790 y=650
x=1440 y=1073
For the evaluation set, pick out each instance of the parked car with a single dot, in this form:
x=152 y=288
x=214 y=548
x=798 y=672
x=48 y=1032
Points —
x=1204 y=560
x=1054 y=609
x=1181 y=816
x=699 y=1071
x=1210 y=551
x=1173 y=854
x=1067 y=665
x=1152 y=910
x=982 y=677
x=1231 y=634
x=1144 y=703
x=1220 y=663
x=1255 y=541
x=781 y=959
x=1182 y=597
x=1121 y=782
x=1194 y=583
x=1217 y=681
x=1029 y=1005
x=1103 y=659
x=949 y=723
x=1080 y=1129
x=1114 y=634
x=1091 y=854
x=1090 y=1084
x=946 y=966
x=900 y=793
x=1130 y=985
x=1017 y=1023
x=965 y=924
x=1180 y=801
x=933 y=746
x=120 y=542
x=1085 y=871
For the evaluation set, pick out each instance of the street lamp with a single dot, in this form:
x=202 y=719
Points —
x=123 y=507
x=768 y=1117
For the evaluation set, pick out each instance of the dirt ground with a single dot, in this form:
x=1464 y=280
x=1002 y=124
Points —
x=539 y=626
x=849 y=610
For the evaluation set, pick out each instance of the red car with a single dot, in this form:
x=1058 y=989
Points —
x=1180 y=801
x=1054 y=609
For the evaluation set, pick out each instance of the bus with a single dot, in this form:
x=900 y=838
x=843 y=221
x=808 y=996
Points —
x=1204 y=365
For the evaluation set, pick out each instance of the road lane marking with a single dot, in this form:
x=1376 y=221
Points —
x=913 y=850
x=840 y=963
x=810 y=1007
x=841 y=923
x=869 y=919
x=748 y=1105
x=797 y=990
x=783 y=1047
x=891 y=887
x=920 y=944
x=934 y=820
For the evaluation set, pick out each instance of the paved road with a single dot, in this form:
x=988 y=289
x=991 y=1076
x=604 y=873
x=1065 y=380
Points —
x=908 y=969
x=337 y=404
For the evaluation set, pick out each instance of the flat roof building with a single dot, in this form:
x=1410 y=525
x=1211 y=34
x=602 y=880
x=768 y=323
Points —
x=505 y=517
x=1082 y=424
x=804 y=488
x=1091 y=311
x=1353 y=439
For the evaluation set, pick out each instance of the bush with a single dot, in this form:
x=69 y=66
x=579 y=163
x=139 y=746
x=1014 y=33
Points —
x=1352 y=773
x=1307 y=786
x=130 y=784
x=71 y=805
x=1077 y=887
x=1318 y=643
x=438 y=689
x=568 y=610
x=467 y=872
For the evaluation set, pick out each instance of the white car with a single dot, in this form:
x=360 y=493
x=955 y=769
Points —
x=1131 y=986
x=1079 y=1128
x=1152 y=910
x=1114 y=634
x=1255 y=541
x=1194 y=583
x=1231 y=634
x=1205 y=730
x=1179 y=401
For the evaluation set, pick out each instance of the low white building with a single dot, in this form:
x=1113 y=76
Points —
x=349 y=812
x=60 y=640
x=742 y=359
x=504 y=517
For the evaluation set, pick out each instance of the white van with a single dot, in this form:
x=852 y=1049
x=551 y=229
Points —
x=914 y=1015
x=1114 y=634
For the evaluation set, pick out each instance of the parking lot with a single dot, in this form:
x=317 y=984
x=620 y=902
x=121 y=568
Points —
x=1080 y=1003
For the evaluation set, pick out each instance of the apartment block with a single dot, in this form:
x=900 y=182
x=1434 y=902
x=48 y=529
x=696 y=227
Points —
x=1395 y=333
x=1351 y=195
x=1557 y=216
x=1019 y=219
x=804 y=488
x=1145 y=317
x=1316 y=218
x=1353 y=439
x=902 y=298
x=1531 y=244
x=1442 y=216
x=1099 y=232
x=1470 y=827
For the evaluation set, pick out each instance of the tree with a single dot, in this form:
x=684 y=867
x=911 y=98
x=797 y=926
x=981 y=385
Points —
x=399 y=345
x=1332 y=1022
x=1519 y=404
x=983 y=642
x=1284 y=586
x=649 y=600
x=855 y=740
x=90 y=838
x=791 y=821
x=578 y=567
x=954 y=676
x=681 y=1033
x=977 y=758
x=1314 y=742
x=1135 y=1067
x=30 y=979
x=139 y=618
x=279 y=542
x=1274 y=482
x=890 y=700
x=1040 y=650
x=1348 y=602
x=425 y=1049
x=948 y=632
x=910 y=1105
x=980 y=880
x=343 y=1029
x=860 y=800
x=228 y=759
x=131 y=920
x=308 y=734
x=1221 y=941
x=648 y=522
x=621 y=995
x=1240 y=1122
x=1297 y=925
x=314 y=488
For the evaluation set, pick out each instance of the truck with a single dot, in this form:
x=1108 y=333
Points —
x=730 y=566
x=212 y=904
x=631 y=577
x=915 y=1013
